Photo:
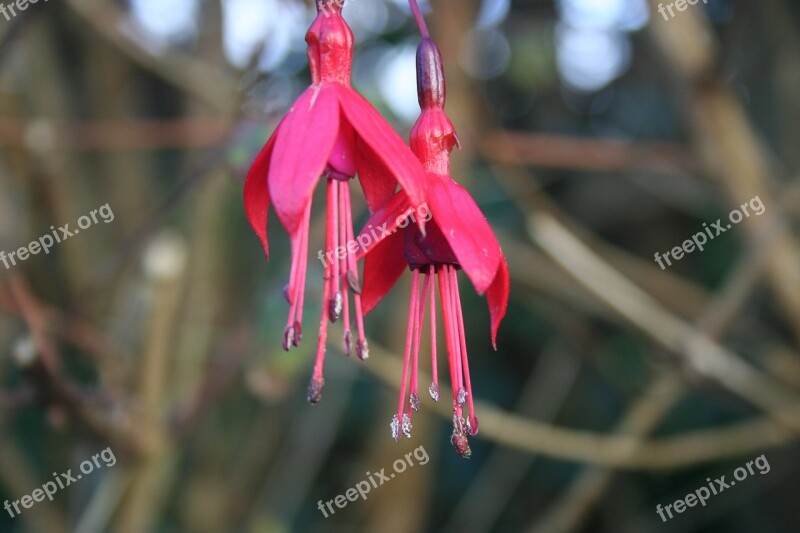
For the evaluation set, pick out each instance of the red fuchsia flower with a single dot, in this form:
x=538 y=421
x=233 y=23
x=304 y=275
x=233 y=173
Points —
x=458 y=238
x=331 y=132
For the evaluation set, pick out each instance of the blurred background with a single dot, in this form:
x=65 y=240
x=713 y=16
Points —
x=595 y=133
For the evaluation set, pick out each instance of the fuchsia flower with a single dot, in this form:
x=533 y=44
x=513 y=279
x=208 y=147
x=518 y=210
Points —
x=331 y=132
x=458 y=237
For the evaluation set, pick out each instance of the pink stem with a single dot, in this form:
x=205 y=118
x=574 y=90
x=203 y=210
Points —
x=420 y=20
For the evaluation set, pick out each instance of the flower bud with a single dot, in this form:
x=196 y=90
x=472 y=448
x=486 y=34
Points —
x=431 y=86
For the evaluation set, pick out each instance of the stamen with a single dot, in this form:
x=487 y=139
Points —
x=412 y=317
x=362 y=349
x=295 y=290
x=396 y=426
x=288 y=338
x=406 y=425
x=353 y=283
x=459 y=437
x=444 y=295
x=434 y=391
x=298 y=328
x=333 y=208
x=317 y=379
x=455 y=307
x=461 y=398
x=419 y=317
x=413 y=401
x=434 y=388
x=347 y=343
x=472 y=423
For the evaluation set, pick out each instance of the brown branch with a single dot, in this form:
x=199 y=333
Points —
x=210 y=85
x=597 y=155
x=183 y=133
x=54 y=388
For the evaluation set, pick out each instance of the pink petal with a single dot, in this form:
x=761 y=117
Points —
x=343 y=155
x=466 y=230
x=383 y=222
x=256 y=192
x=376 y=180
x=382 y=268
x=380 y=139
x=302 y=147
x=497 y=297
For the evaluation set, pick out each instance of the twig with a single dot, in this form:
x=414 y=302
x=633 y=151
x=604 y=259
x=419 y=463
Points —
x=595 y=155
x=209 y=84
x=573 y=507
x=732 y=148
x=700 y=352
x=53 y=387
x=184 y=133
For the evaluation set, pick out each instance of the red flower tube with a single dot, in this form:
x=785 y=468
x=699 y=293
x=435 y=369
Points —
x=331 y=132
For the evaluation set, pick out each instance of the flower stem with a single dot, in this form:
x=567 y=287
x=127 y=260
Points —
x=420 y=20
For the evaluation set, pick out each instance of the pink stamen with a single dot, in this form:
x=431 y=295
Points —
x=344 y=194
x=296 y=288
x=455 y=306
x=298 y=333
x=402 y=421
x=434 y=388
x=333 y=209
x=472 y=427
x=419 y=319
x=444 y=295
x=362 y=348
x=317 y=379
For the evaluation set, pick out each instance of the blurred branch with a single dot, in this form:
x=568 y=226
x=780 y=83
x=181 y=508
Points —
x=545 y=392
x=182 y=133
x=197 y=174
x=193 y=76
x=46 y=368
x=642 y=418
x=165 y=265
x=700 y=352
x=596 y=155
x=729 y=144
x=615 y=451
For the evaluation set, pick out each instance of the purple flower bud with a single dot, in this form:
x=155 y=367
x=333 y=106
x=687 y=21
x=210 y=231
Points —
x=431 y=86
